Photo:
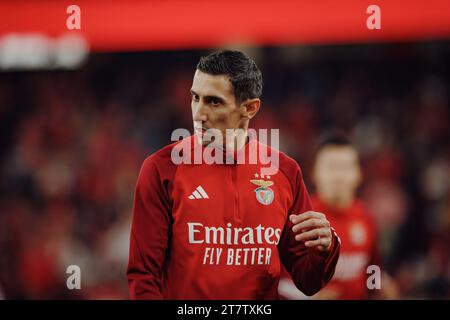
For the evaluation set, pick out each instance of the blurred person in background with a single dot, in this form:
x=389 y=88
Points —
x=337 y=175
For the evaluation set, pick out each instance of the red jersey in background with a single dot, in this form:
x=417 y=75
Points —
x=357 y=232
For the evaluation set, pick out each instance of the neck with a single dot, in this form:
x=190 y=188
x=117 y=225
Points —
x=236 y=141
x=339 y=203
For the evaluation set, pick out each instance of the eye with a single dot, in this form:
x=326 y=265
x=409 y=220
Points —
x=214 y=102
x=195 y=97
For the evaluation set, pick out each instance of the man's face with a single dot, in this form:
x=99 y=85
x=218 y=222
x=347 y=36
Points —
x=214 y=105
x=337 y=173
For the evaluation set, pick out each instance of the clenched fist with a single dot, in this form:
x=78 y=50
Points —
x=313 y=228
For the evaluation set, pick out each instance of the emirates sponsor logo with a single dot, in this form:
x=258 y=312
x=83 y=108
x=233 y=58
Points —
x=198 y=233
x=253 y=244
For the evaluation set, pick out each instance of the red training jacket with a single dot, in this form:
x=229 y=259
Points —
x=220 y=231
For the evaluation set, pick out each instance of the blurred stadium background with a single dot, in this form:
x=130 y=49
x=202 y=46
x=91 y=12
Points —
x=80 y=110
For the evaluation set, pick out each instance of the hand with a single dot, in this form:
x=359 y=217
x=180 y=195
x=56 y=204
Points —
x=313 y=228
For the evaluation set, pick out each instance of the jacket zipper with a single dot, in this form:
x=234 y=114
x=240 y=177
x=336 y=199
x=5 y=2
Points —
x=236 y=214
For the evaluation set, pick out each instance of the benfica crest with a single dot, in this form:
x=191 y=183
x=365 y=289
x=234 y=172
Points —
x=358 y=234
x=264 y=194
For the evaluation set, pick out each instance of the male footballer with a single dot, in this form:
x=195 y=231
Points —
x=337 y=176
x=223 y=230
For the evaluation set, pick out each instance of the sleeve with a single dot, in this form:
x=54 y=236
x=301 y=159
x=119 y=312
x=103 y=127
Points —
x=150 y=230
x=309 y=268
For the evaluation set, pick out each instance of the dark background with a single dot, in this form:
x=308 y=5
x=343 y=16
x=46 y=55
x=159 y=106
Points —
x=72 y=142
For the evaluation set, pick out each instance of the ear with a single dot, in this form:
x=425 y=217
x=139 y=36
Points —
x=251 y=108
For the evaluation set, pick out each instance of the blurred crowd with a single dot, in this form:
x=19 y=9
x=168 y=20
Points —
x=72 y=142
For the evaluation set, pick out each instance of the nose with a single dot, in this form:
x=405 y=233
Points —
x=199 y=112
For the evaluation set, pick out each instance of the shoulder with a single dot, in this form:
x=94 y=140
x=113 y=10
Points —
x=287 y=166
x=161 y=161
x=286 y=163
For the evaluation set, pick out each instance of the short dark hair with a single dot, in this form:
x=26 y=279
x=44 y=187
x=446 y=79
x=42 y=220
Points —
x=243 y=72
x=333 y=138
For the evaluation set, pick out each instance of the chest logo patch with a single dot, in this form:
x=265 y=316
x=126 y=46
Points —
x=264 y=194
x=358 y=234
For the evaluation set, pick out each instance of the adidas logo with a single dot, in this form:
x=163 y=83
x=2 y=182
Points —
x=199 y=193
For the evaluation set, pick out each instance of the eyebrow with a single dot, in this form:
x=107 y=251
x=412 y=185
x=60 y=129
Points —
x=208 y=97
